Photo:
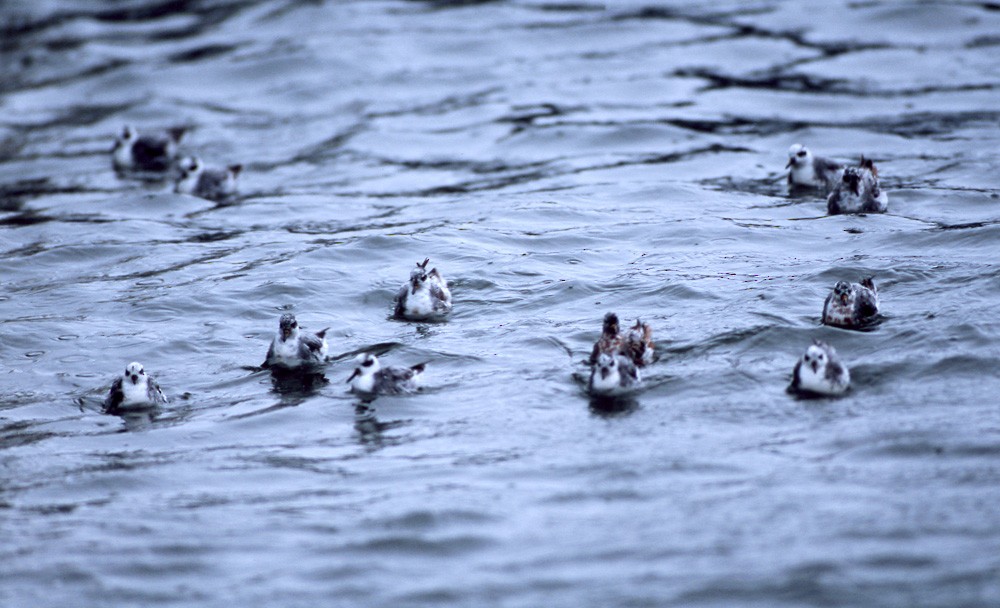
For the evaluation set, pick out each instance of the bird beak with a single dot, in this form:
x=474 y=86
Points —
x=605 y=372
x=356 y=373
x=791 y=161
x=815 y=366
x=843 y=299
x=285 y=332
x=135 y=379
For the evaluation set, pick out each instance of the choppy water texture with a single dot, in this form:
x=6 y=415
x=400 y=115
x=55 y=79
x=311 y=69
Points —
x=556 y=160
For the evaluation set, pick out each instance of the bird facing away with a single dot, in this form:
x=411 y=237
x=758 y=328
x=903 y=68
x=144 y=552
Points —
x=133 y=388
x=425 y=296
x=858 y=191
x=851 y=305
x=636 y=344
x=370 y=378
x=820 y=372
x=808 y=171
x=293 y=347
x=152 y=152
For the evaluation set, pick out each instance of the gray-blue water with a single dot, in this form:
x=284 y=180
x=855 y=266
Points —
x=556 y=160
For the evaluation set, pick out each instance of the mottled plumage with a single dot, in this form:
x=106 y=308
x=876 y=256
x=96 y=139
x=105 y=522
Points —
x=370 y=378
x=610 y=341
x=133 y=388
x=154 y=152
x=851 y=305
x=808 y=171
x=858 y=191
x=613 y=374
x=425 y=296
x=293 y=348
x=208 y=183
x=819 y=371
x=636 y=344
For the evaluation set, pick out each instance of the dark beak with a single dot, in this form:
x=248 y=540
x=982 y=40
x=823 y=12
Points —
x=843 y=299
x=135 y=379
x=856 y=186
x=285 y=332
x=791 y=161
x=815 y=365
x=356 y=372
x=604 y=372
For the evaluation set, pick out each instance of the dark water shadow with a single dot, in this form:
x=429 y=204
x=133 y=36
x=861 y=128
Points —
x=612 y=406
x=371 y=430
x=294 y=383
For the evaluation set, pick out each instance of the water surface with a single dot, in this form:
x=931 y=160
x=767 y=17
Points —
x=555 y=161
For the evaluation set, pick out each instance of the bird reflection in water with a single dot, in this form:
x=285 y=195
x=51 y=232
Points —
x=136 y=417
x=370 y=429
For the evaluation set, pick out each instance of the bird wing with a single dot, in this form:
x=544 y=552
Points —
x=833 y=371
x=826 y=306
x=826 y=167
x=867 y=305
x=310 y=345
x=833 y=202
x=796 y=379
x=153 y=392
x=270 y=355
x=115 y=395
x=400 y=301
x=627 y=369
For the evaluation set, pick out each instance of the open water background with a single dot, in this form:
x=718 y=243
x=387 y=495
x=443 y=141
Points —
x=556 y=160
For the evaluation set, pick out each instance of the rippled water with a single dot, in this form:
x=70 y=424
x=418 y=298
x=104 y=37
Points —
x=556 y=161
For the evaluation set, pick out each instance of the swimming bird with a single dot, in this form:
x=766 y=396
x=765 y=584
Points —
x=425 y=296
x=636 y=344
x=294 y=348
x=133 y=388
x=851 y=305
x=210 y=183
x=371 y=378
x=155 y=152
x=858 y=191
x=819 y=371
x=809 y=171
x=613 y=374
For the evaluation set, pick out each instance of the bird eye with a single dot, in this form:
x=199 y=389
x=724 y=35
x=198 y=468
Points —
x=367 y=363
x=802 y=152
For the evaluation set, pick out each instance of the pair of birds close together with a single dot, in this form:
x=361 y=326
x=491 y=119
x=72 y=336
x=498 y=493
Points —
x=424 y=297
x=819 y=371
x=617 y=357
x=851 y=189
x=157 y=153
